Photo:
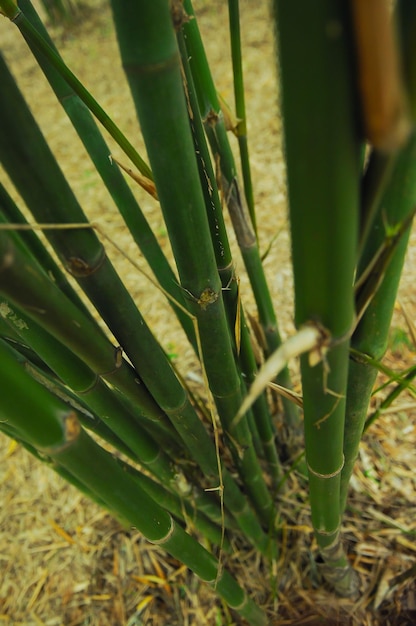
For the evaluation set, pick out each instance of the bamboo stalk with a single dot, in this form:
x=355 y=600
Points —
x=213 y=118
x=240 y=106
x=50 y=199
x=374 y=182
x=322 y=158
x=82 y=337
x=48 y=380
x=30 y=290
x=370 y=338
x=184 y=511
x=117 y=426
x=187 y=511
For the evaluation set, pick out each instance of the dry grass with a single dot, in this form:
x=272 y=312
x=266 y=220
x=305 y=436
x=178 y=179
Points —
x=65 y=561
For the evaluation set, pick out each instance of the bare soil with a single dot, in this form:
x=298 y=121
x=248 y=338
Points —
x=65 y=561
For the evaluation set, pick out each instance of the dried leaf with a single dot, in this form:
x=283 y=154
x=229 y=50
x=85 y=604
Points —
x=308 y=338
x=144 y=182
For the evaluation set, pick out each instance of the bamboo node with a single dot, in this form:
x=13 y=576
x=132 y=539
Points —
x=318 y=352
x=118 y=362
x=79 y=268
x=359 y=357
x=90 y=387
x=159 y=542
x=72 y=429
x=331 y=475
x=179 y=15
x=15 y=17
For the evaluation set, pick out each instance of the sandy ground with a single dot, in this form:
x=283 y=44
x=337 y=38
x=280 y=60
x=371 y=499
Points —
x=63 y=560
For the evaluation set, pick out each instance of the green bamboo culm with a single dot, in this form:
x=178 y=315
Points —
x=397 y=205
x=56 y=432
x=95 y=393
x=383 y=243
x=48 y=380
x=323 y=165
x=120 y=425
x=215 y=127
x=240 y=106
x=152 y=63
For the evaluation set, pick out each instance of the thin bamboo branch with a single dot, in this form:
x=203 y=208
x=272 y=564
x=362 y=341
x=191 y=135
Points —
x=240 y=106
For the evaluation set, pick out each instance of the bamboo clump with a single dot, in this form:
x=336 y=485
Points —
x=120 y=383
